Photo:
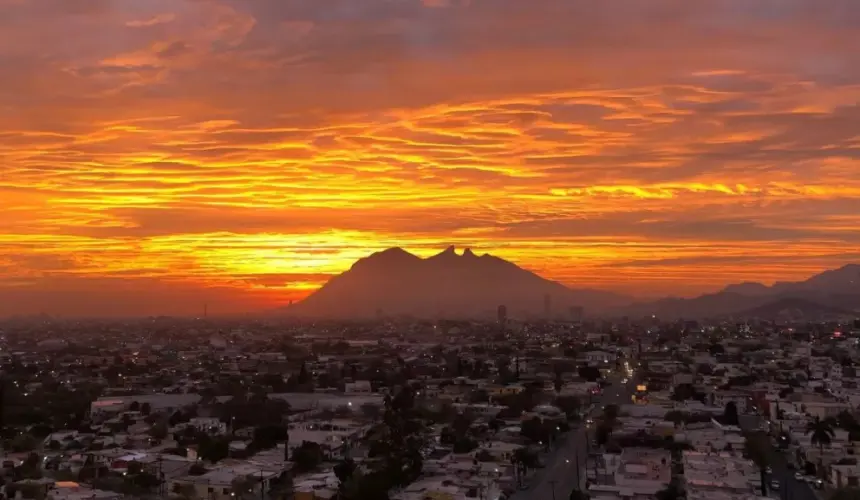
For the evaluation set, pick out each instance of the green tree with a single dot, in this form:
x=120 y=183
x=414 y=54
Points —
x=730 y=414
x=307 y=456
x=577 y=494
x=570 y=405
x=671 y=492
x=213 y=449
x=344 y=471
x=24 y=442
x=402 y=439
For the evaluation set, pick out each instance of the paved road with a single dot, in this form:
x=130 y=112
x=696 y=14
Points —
x=566 y=466
x=789 y=487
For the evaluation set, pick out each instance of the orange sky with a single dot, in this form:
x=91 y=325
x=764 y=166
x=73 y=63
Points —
x=159 y=154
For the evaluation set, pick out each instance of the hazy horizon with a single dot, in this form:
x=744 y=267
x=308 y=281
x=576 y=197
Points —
x=159 y=155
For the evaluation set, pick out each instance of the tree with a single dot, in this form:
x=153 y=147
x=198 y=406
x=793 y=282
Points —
x=822 y=434
x=846 y=494
x=158 y=431
x=557 y=382
x=344 y=471
x=715 y=349
x=535 y=430
x=610 y=414
x=370 y=411
x=523 y=460
x=268 y=437
x=590 y=373
x=479 y=396
x=372 y=486
x=756 y=447
x=197 y=470
x=213 y=449
x=683 y=392
x=24 y=442
x=307 y=456
x=402 y=438
x=570 y=405
x=578 y=494
x=671 y=492
x=730 y=414
x=676 y=417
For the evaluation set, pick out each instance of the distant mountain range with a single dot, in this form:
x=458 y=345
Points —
x=448 y=284
x=830 y=295
x=396 y=282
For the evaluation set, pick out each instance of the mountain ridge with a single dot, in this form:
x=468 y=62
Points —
x=397 y=282
x=825 y=294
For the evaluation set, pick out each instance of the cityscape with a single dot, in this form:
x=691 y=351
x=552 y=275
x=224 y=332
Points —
x=429 y=250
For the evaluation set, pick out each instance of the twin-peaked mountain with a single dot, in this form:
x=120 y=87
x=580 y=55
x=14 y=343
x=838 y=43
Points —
x=396 y=282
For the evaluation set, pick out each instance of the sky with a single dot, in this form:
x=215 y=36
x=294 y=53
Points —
x=159 y=155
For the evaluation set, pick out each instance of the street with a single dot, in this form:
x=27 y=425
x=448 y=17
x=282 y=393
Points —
x=566 y=465
x=789 y=487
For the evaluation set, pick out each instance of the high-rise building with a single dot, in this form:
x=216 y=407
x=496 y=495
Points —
x=502 y=314
x=547 y=305
x=576 y=313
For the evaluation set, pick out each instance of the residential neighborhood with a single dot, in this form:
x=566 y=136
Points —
x=414 y=410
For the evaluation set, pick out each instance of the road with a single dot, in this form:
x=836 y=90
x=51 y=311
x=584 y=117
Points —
x=566 y=467
x=789 y=487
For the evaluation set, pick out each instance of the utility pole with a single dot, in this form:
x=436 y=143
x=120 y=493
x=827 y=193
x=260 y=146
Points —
x=262 y=484
x=552 y=483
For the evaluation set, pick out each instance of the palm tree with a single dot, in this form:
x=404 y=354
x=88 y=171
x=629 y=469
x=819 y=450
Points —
x=756 y=447
x=822 y=434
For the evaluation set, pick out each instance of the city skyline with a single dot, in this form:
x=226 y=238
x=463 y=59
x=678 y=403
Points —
x=158 y=156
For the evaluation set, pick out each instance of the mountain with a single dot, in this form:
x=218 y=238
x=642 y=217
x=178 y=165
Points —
x=831 y=293
x=796 y=309
x=397 y=282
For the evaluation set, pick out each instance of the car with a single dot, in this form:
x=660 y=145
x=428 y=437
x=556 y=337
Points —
x=798 y=476
x=774 y=484
x=768 y=470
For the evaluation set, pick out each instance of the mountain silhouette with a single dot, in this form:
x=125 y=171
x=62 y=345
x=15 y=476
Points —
x=796 y=309
x=449 y=284
x=823 y=295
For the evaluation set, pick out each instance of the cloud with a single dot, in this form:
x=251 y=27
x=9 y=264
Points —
x=152 y=21
x=230 y=145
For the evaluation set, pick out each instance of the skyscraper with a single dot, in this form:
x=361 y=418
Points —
x=502 y=314
x=547 y=306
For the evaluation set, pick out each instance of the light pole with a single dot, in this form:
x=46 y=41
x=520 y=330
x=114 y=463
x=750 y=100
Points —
x=552 y=483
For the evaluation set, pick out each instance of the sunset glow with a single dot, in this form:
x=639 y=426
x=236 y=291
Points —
x=158 y=155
